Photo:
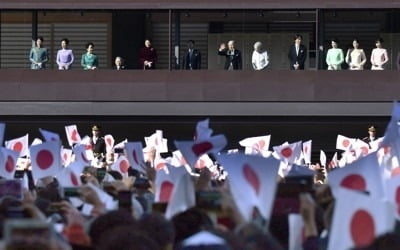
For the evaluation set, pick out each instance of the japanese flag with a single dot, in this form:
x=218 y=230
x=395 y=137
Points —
x=361 y=148
x=256 y=145
x=157 y=141
x=134 y=153
x=121 y=165
x=193 y=150
x=8 y=160
x=252 y=181
x=72 y=134
x=165 y=182
x=376 y=144
x=203 y=132
x=288 y=153
x=322 y=158
x=296 y=232
x=344 y=143
x=182 y=197
x=66 y=156
x=307 y=151
x=46 y=159
x=20 y=145
x=109 y=140
x=49 y=136
x=177 y=159
x=2 y=129
x=362 y=175
x=358 y=219
x=121 y=144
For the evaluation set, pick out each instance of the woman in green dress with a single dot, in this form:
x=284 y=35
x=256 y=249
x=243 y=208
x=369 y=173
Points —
x=335 y=56
x=38 y=55
x=89 y=60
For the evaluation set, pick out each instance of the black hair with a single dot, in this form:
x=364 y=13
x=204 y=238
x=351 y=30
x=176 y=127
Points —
x=335 y=40
x=191 y=41
x=40 y=38
x=379 y=39
x=65 y=40
x=88 y=44
x=298 y=36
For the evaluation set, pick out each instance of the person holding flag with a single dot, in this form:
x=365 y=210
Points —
x=98 y=143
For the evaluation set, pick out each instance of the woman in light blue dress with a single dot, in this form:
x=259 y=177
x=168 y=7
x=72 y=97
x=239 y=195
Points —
x=38 y=55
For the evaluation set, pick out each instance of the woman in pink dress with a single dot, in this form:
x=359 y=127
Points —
x=379 y=56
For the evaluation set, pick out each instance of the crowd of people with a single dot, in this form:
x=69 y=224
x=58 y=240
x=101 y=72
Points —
x=355 y=57
x=113 y=206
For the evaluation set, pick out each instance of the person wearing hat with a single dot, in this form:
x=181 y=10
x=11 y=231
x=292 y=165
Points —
x=98 y=143
x=371 y=135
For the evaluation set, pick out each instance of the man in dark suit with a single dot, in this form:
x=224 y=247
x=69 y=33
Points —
x=233 y=56
x=371 y=135
x=192 y=58
x=98 y=143
x=297 y=54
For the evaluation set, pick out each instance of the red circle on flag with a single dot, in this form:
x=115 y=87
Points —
x=201 y=148
x=74 y=180
x=74 y=135
x=345 y=143
x=10 y=164
x=251 y=177
x=166 y=191
x=123 y=166
x=18 y=146
x=362 y=228
x=355 y=182
x=286 y=152
x=364 y=150
x=65 y=157
x=44 y=159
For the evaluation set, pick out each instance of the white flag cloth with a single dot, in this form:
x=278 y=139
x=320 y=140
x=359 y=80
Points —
x=8 y=160
x=134 y=153
x=20 y=145
x=361 y=148
x=183 y=196
x=252 y=181
x=49 y=136
x=358 y=219
x=121 y=144
x=296 y=232
x=109 y=140
x=288 y=153
x=157 y=141
x=68 y=178
x=362 y=175
x=307 y=149
x=46 y=159
x=376 y=144
x=2 y=129
x=203 y=132
x=322 y=158
x=72 y=134
x=393 y=193
x=193 y=150
x=121 y=165
x=344 y=143
x=257 y=145
x=83 y=154
x=165 y=181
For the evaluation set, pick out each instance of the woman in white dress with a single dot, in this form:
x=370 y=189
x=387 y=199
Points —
x=379 y=56
x=260 y=59
x=355 y=57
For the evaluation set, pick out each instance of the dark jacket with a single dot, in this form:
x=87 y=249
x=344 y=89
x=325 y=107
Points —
x=192 y=62
x=300 y=58
x=235 y=59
